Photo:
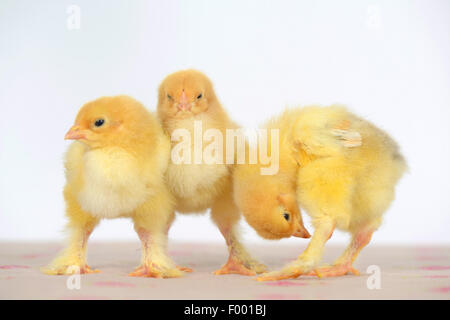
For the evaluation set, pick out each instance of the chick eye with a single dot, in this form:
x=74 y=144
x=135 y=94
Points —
x=169 y=97
x=199 y=96
x=99 y=122
x=286 y=216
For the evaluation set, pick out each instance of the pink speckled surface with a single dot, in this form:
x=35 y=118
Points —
x=414 y=272
x=435 y=268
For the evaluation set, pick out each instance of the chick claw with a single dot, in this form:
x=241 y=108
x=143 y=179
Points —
x=235 y=266
x=87 y=269
x=280 y=275
x=155 y=271
x=334 y=271
x=69 y=270
x=185 y=269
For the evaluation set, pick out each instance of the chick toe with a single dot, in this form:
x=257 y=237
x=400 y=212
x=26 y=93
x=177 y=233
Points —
x=153 y=270
x=185 y=269
x=280 y=275
x=68 y=269
x=335 y=271
x=235 y=266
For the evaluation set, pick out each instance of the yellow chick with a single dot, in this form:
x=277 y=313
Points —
x=340 y=168
x=187 y=103
x=115 y=168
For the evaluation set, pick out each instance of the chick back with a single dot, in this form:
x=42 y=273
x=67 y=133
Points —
x=355 y=185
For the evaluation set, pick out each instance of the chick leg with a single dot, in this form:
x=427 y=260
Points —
x=226 y=216
x=73 y=258
x=309 y=259
x=343 y=265
x=169 y=224
x=151 y=229
x=154 y=263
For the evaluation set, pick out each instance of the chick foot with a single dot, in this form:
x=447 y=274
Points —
x=185 y=269
x=69 y=269
x=281 y=275
x=154 y=270
x=255 y=266
x=334 y=271
x=293 y=270
x=235 y=266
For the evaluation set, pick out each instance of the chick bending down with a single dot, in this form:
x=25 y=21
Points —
x=340 y=168
x=115 y=168
x=195 y=120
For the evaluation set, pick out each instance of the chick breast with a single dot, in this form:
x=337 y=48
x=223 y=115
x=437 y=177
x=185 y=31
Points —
x=112 y=183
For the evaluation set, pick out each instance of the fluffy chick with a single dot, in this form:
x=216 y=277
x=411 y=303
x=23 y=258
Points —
x=268 y=201
x=115 y=168
x=185 y=98
x=342 y=170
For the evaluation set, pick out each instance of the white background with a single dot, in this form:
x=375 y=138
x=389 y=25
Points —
x=387 y=60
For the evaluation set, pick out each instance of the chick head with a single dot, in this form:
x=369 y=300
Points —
x=184 y=94
x=275 y=217
x=109 y=121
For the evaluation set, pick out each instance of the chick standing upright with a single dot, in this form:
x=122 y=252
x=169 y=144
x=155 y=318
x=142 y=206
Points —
x=115 y=168
x=338 y=167
x=186 y=101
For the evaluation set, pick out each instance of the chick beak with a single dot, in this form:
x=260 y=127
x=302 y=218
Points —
x=301 y=232
x=184 y=104
x=75 y=133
